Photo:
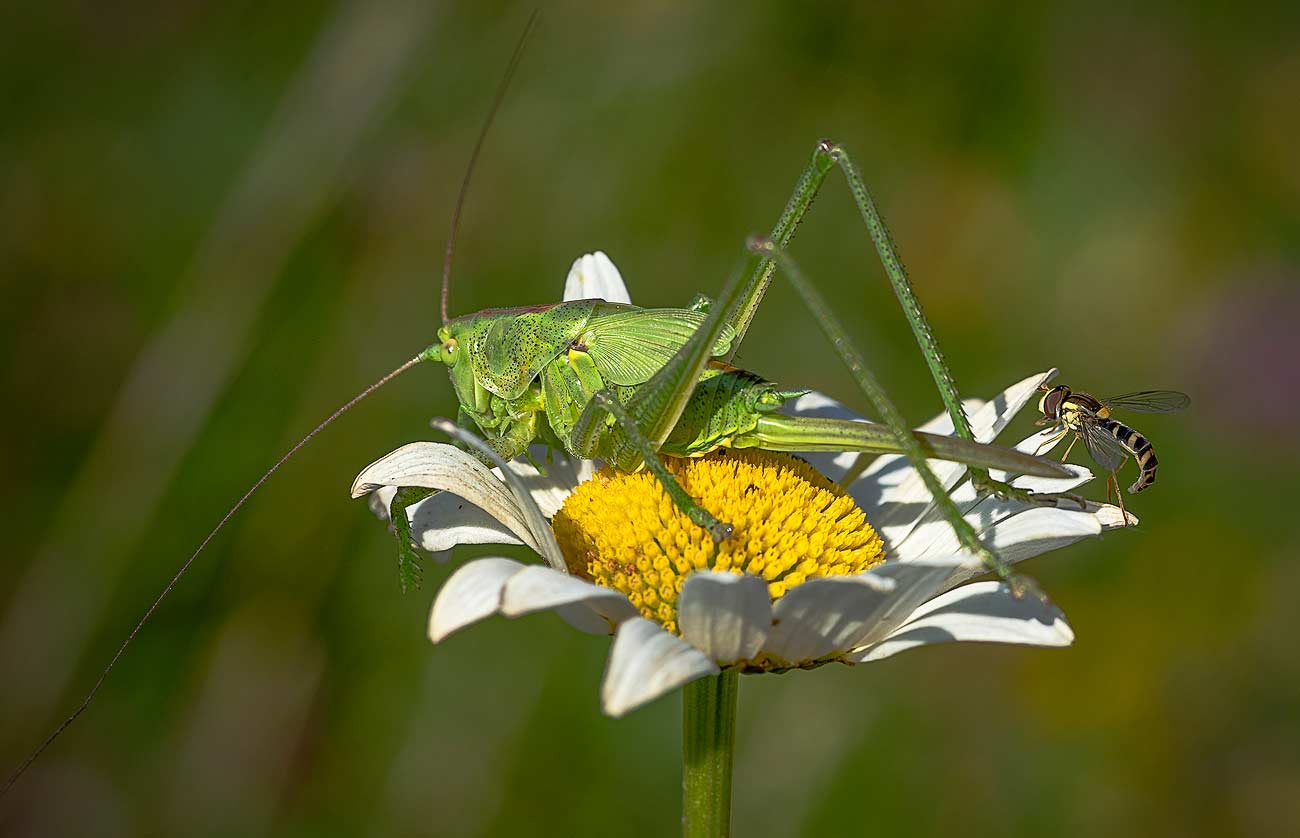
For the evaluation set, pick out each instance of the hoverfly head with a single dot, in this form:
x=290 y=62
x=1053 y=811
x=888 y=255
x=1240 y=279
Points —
x=1050 y=404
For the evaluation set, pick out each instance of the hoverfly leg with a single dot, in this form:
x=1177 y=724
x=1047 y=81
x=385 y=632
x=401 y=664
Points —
x=1050 y=441
x=1119 y=496
x=1069 y=448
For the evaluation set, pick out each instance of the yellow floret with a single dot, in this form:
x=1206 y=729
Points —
x=791 y=524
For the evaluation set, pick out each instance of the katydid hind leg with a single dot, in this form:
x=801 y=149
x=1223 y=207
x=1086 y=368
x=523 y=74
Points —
x=808 y=434
x=888 y=411
x=924 y=334
x=828 y=155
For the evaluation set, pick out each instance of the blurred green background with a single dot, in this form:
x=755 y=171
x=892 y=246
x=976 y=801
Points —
x=219 y=221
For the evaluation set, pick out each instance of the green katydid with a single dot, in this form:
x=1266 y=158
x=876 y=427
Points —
x=629 y=385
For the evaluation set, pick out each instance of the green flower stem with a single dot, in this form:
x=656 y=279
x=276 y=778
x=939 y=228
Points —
x=708 y=742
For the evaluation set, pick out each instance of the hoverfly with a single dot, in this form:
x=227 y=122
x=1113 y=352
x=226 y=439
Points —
x=1109 y=441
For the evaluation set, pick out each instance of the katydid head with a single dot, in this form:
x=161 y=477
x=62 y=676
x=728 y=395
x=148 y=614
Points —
x=448 y=351
x=501 y=351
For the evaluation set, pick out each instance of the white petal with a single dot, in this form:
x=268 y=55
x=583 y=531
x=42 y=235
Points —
x=1111 y=518
x=470 y=594
x=984 y=612
x=594 y=276
x=1041 y=443
x=824 y=617
x=381 y=498
x=999 y=522
x=542 y=539
x=445 y=520
x=585 y=620
x=647 y=662
x=379 y=501
x=562 y=474
x=1035 y=531
x=442 y=521
x=934 y=536
x=1041 y=529
x=725 y=615
x=433 y=465
x=899 y=502
x=539 y=588
x=914 y=584
x=988 y=422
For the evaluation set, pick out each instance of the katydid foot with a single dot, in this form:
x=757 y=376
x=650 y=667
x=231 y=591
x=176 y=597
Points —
x=1022 y=586
x=1019 y=585
x=985 y=485
x=586 y=439
x=719 y=530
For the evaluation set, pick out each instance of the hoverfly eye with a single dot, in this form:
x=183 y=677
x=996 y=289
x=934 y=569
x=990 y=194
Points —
x=1052 y=402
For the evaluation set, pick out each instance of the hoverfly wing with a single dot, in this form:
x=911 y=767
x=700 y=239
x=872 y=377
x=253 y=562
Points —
x=1150 y=401
x=1103 y=447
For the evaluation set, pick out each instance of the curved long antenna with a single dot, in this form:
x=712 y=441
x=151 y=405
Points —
x=473 y=157
x=85 y=702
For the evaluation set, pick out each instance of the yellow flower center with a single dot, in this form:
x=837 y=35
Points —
x=791 y=524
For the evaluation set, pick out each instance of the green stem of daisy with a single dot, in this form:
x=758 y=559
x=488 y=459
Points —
x=708 y=741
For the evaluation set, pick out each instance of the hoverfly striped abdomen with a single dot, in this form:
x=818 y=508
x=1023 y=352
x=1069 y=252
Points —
x=1137 y=445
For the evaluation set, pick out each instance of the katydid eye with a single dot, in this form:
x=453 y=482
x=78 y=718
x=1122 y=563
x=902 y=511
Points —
x=449 y=350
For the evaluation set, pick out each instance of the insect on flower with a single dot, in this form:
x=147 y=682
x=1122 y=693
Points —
x=599 y=377
x=1109 y=441
x=823 y=567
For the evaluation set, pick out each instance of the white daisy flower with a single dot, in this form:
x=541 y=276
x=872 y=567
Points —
x=814 y=573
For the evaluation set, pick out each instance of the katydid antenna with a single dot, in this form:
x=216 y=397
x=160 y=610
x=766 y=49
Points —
x=473 y=156
x=176 y=578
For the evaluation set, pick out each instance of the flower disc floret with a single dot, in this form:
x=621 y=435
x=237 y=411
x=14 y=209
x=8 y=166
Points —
x=791 y=524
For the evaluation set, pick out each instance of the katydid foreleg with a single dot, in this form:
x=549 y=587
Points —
x=409 y=565
x=654 y=409
x=587 y=438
